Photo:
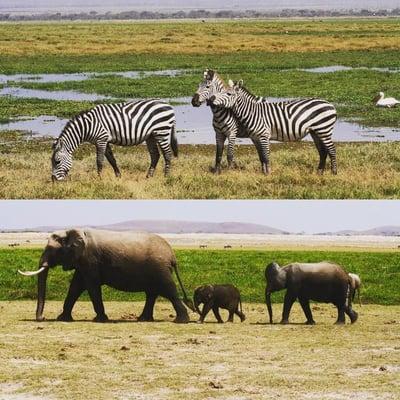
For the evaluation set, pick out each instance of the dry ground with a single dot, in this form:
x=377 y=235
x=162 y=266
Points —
x=162 y=360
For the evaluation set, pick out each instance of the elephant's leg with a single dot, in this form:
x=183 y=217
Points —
x=240 y=314
x=206 y=309
x=94 y=290
x=341 y=313
x=287 y=305
x=305 y=305
x=147 y=313
x=111 y=159
x=171 y=294
x=76 y=288
x=353 y=315
x=218 y=315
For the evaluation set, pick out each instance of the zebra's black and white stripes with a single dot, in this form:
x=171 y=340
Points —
x=122 y=124
x=284 y=121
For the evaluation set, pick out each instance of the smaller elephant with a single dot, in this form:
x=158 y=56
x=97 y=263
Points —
x=218 y=296
x=324 y=282
x=355 y=286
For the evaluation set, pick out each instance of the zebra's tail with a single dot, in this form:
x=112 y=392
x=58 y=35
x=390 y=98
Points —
x=174 y=141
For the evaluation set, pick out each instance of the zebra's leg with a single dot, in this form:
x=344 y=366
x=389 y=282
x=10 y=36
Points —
x=257 y=144
x=111 y=159
x=100 y=152
x=231 y=150
x=164 y=143
x=220 y=142
x=323 y=153
x=331 y=149
x=154 y=155
x=264 y=157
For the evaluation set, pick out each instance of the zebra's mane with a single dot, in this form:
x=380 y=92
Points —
x=249 y=94
x=71 y=121
x=218 y=76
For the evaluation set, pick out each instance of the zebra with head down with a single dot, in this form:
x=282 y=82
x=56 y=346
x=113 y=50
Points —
x=284 y=121
x=122 y=124
x=226 y=125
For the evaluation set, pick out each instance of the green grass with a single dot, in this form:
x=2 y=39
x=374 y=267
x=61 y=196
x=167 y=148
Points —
x=243 y=268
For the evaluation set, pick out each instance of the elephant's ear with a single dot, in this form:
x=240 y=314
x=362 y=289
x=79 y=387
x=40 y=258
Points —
x=75 y=242
x=209 y=291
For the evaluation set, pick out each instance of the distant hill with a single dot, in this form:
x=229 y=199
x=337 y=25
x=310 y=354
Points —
x=378 y=231
x=171 y=226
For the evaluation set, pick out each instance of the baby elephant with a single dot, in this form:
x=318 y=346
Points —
x=218 y=296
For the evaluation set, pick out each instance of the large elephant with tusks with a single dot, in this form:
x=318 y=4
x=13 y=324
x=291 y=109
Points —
x=324 y=282
x=127 y=261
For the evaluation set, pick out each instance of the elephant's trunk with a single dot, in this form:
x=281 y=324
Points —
x=42 y=279
x=269 y=306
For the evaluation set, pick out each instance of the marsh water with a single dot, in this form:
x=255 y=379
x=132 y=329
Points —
x=194 y=125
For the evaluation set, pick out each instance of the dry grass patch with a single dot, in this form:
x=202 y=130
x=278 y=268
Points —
x=365 y=171
x=252 y=360
x=186 y=37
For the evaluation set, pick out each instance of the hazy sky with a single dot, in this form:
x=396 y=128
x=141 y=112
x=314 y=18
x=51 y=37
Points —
x=295 y=216
x=165 y=5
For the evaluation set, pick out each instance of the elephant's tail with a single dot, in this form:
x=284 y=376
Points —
x=188 y=302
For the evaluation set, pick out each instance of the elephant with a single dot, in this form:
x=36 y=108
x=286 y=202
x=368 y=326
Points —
x=127 y=261
x=355 y=286
x=324 y=282
x=218 y=296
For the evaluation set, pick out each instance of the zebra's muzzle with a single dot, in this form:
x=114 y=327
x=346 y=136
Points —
x=210 y=101
x=196 y=101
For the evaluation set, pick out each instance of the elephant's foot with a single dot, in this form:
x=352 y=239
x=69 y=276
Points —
x=221 y=322
x=145 y=318
x=101 y=318
x=242 y=317
x=284 y=322
x=200 y=321
x=340 y=322
x=353 y=317
x=310 y=322
x=182 y=319
x=65 y=317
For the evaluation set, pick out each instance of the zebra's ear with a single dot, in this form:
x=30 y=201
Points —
x=240 y=83
x=209 y=74
x=230 y=83
x=55 y=145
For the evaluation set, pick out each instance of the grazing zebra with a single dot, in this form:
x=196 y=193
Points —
x=123 y=124
x=225 y=124
x=283 y=121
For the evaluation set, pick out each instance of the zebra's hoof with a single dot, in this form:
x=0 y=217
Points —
x=216 y=170
x=320 y=171
x=150 y=174
x=118 y=174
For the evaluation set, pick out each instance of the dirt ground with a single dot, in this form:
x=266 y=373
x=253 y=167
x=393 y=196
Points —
x=222 y=240
x=162 y=360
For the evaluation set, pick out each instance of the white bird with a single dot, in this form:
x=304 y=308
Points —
x=389 y=102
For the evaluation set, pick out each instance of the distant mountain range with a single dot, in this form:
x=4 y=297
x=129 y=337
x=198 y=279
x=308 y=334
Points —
x=172 y=226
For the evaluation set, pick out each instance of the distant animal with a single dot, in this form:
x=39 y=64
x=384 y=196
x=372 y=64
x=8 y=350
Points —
x=203 y=246
x=218 y=296
x=388 y=102
x=355 y=286
x=122 y=124
x=127 y=261
x=284 y=121
x=324 y=282
x=227 y=246
x=13 y=244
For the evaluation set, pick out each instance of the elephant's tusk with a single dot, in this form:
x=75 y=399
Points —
x=32 y=273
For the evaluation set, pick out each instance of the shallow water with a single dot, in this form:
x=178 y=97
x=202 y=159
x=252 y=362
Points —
x=336 y=68
x=194 y=126
x=83 y=76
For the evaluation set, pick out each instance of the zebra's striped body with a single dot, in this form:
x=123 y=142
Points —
x=226 y=125
x=122 y=124
x=283 y=121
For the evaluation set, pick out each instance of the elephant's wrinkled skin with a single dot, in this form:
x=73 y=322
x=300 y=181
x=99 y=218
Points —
x=218 y=296
x=324 y=282
x=128 y=261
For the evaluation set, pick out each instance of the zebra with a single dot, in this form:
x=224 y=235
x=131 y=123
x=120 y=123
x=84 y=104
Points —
x=225 y=124
x=122 y=124
x=283 y=121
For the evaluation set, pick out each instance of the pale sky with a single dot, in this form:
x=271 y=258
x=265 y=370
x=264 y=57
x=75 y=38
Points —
x=309 y=216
